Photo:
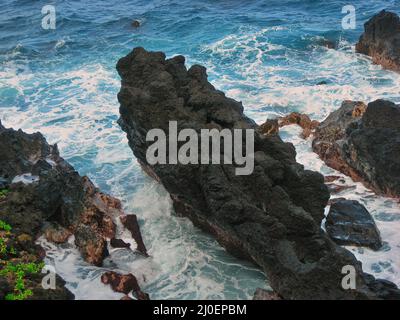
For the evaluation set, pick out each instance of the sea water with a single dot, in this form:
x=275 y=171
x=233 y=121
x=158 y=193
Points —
x=267 y=54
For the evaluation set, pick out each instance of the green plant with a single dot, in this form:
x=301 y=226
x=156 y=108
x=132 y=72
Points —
x=3 y=193
x=18 y=272
x=3 y=245
x=4 y=226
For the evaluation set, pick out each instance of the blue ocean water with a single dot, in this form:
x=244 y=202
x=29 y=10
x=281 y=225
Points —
x=267 y=54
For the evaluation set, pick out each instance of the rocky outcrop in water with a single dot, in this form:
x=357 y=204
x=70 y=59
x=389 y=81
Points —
x=272 y=216
x=43 y=194
x=363 y=142
x=349 y=223
x=124 y=284
x=381 y=40
x=271 y=126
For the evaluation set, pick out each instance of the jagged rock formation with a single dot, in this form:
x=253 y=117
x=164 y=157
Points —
x=349 y=223
x=45 y=195
x=381 y=40
x=363 y=143
x=272 y=216
x=271 y=126
x=126 y=284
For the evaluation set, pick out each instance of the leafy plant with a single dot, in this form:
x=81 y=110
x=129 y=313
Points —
x=4 y=226
x=17 y=271
x=3 y=193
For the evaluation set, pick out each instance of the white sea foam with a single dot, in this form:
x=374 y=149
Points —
x=78 y=109
x=26 y=178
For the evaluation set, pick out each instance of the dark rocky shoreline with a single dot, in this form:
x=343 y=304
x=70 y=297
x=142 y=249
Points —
x=45 y=195
x=272 y=216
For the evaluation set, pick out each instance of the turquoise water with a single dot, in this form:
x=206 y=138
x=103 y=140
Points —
x=266 y=53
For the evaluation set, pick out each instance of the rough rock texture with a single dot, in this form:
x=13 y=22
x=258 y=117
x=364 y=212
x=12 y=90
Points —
x=272 y=216
x=124 y=284
x=301 y=120
x=381 y=40
x=349 y=223
x=45 y=195
x=271 y=126
x=363 y=143
x=262 y=294
x=130 y=222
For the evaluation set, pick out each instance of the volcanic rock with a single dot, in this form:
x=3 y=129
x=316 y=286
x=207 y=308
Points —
x=271 y=216
x=130 y=222
x=349 y=223
x=124 y=284
x=381 y=40
x=301 y=120
x=363 y=143
x=45 y=195
x=119 y=243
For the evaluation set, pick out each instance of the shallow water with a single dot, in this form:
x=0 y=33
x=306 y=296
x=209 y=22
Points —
x=265 y=53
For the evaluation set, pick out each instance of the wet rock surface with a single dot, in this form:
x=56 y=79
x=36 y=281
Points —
x=45 y=195
x=272 y=216
x=349 y=223
x=363 y=142
x=381 y=40
x=124 y=284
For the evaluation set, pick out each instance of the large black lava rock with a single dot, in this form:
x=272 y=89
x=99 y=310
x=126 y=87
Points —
x=272 y=216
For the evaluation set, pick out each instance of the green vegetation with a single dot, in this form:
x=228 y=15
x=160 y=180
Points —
x=3 y=193
x=16 y=271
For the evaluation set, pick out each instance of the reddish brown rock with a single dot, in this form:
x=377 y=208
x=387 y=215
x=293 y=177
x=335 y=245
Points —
x=130 y=222
x=270 y=126
x=331 y=178
x=301 y=120
x=56 y=233
x=124 y=284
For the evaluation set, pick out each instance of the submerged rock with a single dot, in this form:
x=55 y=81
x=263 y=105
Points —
x=271 y=216
x=135 y=23
x=381 y=40
x=349 y=223
x=363 y=143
